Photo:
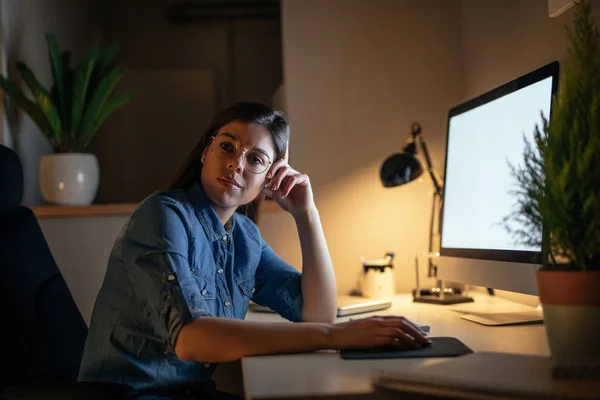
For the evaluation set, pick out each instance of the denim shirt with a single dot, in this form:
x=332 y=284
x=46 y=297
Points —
x=172 y=262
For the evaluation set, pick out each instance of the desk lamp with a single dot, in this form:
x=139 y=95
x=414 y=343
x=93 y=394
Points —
x=402 y=168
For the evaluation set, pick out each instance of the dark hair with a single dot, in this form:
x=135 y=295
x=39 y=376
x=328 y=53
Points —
x=273 y=120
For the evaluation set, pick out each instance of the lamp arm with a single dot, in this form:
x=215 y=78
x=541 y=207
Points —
x=435 y=179
x=435 y=204
x=434 y=230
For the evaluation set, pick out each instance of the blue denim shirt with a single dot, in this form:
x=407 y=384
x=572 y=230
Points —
x=172 y=262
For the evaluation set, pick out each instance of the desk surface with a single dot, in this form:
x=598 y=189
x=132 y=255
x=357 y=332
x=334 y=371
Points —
x=324 y=373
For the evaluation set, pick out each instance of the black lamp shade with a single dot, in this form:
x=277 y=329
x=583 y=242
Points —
x=399 y=169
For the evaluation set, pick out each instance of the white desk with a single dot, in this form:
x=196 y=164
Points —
x=323 y=374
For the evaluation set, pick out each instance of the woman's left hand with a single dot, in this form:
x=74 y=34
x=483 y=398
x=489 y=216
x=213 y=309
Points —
x=289 y=188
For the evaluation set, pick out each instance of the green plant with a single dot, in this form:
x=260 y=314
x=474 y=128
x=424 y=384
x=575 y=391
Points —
x=559 y=181
x=79 y=101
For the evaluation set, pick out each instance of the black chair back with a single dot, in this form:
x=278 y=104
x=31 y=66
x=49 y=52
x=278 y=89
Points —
x=42 y=329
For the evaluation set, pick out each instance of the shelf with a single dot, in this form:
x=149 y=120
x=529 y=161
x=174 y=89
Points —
x=84 y=211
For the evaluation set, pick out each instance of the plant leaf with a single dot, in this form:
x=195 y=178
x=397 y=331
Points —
x=58 y=73
x=107 y=55
x=82 y=80
x=99 y=98
x=111 y=106
x=31 y=108
x=43 y=99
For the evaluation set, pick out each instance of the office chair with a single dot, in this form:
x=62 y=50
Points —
x=43 y=333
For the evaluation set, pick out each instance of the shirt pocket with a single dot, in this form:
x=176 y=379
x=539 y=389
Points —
x=246 y=287
x=207 y=287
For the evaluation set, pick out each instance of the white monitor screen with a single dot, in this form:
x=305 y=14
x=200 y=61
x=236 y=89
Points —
x=478 y=181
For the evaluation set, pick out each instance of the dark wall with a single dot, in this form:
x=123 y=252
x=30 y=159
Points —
x=182 y=74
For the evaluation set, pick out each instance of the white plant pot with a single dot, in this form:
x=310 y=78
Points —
x=69 y=179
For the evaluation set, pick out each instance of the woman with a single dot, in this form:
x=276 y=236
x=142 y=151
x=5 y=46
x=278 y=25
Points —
x=186 y=264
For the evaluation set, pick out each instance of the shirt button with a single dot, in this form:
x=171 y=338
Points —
x=207 y=365
x=171 y=277
x=226 y=238
x=227 y=304
x=204 y=292
x=220 y=271
x=253 y=289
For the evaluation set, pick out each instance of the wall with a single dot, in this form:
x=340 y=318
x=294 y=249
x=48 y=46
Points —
x=24 y=25
x=357 y=74
x=181 y=75
x=504 y=39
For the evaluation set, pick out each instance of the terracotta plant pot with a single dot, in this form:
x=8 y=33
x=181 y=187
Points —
x=571 y=303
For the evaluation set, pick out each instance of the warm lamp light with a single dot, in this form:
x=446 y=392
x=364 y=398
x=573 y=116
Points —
x=402 y=168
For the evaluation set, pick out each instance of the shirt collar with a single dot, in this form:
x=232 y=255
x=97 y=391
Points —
x=206 y=214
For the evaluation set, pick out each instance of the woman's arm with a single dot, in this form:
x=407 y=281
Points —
x=293 y=193
x=318 y=280
x=217 y=340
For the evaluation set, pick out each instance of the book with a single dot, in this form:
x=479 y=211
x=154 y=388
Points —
x=484 y=376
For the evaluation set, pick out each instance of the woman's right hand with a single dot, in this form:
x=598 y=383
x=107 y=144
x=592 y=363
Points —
x=379 y=331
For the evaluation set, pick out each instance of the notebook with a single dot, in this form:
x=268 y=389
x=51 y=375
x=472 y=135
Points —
x=347 y=305
x=488 y=375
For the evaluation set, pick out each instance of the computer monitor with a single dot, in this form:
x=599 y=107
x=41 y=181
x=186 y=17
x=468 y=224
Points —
x=485 y=134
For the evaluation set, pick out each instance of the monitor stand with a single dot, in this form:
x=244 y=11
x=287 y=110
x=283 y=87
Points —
x=446 y=299
x=441 y=294
x=505 y=319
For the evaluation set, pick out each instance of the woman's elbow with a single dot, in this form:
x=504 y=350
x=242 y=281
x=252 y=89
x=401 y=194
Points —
x=189 y=347
x=182 y=350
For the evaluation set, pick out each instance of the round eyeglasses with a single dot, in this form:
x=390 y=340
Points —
x=226 y=148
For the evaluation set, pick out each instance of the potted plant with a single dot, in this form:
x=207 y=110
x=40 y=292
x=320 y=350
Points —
x=69 y=115
x=558 y=188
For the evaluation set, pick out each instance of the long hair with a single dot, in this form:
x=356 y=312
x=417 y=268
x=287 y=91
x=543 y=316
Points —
x=273 y=120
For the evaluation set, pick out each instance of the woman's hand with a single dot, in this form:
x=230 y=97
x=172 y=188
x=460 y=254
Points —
x=289 y=188
x=379 y=331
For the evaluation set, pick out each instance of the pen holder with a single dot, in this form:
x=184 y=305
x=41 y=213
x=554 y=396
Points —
x=377 y=280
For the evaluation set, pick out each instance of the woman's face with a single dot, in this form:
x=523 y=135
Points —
x=237 y=149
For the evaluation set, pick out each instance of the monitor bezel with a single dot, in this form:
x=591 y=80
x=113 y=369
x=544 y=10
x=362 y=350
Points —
x=532 y=257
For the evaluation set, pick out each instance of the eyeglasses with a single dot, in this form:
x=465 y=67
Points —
x=226 y=148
